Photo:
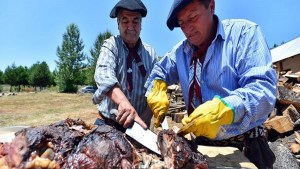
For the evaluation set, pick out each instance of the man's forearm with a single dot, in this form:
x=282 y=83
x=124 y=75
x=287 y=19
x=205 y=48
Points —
x=117 y=95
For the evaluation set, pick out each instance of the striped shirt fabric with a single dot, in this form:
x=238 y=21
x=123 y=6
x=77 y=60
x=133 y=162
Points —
x=111 y=70
x=237 y=67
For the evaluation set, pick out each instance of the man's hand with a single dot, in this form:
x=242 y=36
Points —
x=127 y=115
x=158 y=101
x=126 y=112
x=207 y=119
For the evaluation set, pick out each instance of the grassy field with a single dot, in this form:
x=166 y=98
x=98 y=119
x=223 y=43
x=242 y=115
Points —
x=43 y=108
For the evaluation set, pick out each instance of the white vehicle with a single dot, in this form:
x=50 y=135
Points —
x=88 y=89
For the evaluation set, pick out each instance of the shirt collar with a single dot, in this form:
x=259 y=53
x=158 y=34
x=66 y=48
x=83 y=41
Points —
x=220 y=29
x=137 y=45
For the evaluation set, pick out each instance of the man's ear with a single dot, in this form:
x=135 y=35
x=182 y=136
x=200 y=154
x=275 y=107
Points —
x=212 y=6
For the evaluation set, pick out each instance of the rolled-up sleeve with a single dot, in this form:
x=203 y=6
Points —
x=165 y=70
x=105 y=72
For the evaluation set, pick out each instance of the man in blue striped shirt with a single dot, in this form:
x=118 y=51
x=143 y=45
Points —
x=226 y=75
x=122 y=69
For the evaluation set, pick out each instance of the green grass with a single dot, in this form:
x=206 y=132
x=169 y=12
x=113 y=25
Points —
x=46 y=107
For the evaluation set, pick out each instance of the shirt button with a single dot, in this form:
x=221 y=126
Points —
x=202 y=81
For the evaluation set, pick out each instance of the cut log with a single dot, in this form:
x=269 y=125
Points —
x=296 y=88
x=295 y=148
x=274 y=113
x=292 y=112
x=297 y=137
x=287 y=97
x=281 y=124
x=177 y=117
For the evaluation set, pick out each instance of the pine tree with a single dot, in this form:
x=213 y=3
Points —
x=70 y=62
x=11 y=76
x=1 y=77
x=40 y=75
x=22 y=77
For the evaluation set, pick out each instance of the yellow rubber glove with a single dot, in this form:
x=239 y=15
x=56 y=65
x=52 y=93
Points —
x=158 y=101
x=207 y=118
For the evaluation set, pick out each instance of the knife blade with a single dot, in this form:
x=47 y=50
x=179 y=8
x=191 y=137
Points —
x=144 y=136
x=164 y=124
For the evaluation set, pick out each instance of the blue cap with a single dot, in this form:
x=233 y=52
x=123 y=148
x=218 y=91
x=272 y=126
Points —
x=131 y=5
x=177 y=6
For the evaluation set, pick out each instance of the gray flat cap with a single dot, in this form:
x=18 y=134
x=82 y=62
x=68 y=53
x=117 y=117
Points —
x=177 y=6
x=131 y=5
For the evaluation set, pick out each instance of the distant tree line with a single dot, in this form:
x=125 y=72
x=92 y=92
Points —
x=73 y=66
x=275 y=45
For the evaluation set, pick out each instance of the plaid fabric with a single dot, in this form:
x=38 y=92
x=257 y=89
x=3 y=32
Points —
x=111 y=70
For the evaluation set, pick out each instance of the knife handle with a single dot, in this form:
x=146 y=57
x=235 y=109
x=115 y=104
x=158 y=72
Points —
x=114 y=112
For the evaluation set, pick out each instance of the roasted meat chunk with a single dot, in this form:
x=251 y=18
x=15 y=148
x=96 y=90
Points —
x=73 y=144
x=178 y=153
x=105 y=147
x=44 y=146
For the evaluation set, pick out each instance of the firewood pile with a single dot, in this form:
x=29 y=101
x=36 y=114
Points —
x=177 y=108
x=283 y=125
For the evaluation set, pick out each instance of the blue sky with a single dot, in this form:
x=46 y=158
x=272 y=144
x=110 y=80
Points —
x=31 y=30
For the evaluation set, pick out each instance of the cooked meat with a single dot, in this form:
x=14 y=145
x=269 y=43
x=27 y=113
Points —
x=178 y=152
x=55 y=141
x=74 y=144
x=105 y=147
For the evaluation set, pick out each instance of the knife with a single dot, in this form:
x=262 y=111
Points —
x=144 y=136
x=164 y=124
